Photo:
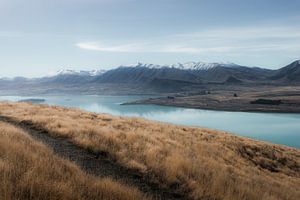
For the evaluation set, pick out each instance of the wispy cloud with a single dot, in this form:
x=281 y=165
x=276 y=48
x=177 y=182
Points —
x=217 y=41
x=138 y=47
x=97 y=46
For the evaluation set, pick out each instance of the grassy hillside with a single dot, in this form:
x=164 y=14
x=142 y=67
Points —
x=203 y=163
x=29 y=170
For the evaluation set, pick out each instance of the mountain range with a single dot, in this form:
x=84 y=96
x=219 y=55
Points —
x=161 y=78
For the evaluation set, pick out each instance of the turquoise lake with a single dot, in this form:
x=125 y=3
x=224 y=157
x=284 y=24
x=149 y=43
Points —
x=273 y=127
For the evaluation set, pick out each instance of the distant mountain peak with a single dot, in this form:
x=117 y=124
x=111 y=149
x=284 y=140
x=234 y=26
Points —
x=290 y=72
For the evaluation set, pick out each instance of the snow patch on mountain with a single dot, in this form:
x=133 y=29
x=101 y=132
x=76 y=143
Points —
x=201 y=65
x=184 y=66
x=147 y=65
x=78 y=72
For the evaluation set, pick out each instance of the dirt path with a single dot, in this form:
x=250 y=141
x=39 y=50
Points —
x=97 y=164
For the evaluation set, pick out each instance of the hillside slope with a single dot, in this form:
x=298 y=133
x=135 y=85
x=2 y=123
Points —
x=30 y=170
x=203 y=163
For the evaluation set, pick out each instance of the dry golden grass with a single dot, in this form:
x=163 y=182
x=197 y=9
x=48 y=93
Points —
x=29 y=170
x=203 y=162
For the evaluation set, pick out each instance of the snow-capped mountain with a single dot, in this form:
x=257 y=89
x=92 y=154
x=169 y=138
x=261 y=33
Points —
x=196 y=72
x=68 y=76
x=141 y=78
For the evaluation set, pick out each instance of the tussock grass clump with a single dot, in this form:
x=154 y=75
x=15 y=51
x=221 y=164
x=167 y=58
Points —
x=204 y=163
x=29 y=170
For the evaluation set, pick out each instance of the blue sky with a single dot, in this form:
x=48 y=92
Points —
x=38 y=37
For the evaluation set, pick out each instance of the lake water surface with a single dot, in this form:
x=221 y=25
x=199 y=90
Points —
x=276 y=128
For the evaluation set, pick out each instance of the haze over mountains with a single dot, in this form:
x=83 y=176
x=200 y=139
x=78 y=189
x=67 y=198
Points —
x=149 y=78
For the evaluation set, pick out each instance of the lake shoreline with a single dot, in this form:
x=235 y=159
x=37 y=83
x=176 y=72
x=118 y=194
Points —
x=144 y=102
x=230 y=104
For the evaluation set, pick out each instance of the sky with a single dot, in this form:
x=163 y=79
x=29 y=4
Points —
x=39 y=37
